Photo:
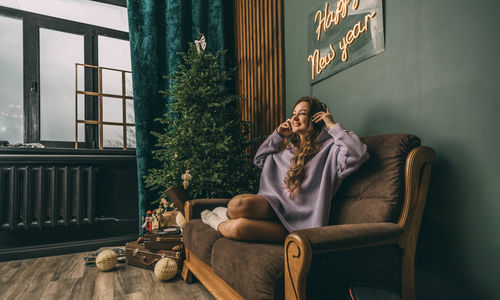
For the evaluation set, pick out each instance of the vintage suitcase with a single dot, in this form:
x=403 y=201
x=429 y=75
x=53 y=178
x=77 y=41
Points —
x=139 y=256
x=158 y=241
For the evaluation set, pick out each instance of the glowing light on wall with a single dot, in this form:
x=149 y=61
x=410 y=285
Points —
x=352 y=27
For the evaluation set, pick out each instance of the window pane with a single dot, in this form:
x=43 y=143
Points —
x=112 y=136
x=112 y=110
x=11 y=80
x=130 y=136
x=81 y=73
x=81 y=107
x=111 y=82
x=129 y=87
x=84 y=11
x=59 y=51
x=130 y=111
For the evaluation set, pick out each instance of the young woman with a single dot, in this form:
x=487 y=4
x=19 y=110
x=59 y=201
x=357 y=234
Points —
x=302 y=166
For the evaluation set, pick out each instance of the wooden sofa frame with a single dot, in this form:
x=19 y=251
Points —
x=298 y=247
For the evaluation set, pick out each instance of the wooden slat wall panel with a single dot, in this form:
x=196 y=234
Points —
x=259 y=50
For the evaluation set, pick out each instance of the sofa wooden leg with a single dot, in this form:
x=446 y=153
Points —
x=408 y=275
x=186 y=274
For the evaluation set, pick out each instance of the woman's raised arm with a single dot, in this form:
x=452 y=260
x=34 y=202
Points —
x=352 y=153
x=272 y=143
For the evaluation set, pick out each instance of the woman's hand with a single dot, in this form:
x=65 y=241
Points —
x=325 y=117
x=285 y=129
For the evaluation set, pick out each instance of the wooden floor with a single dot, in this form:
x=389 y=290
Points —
x=67 y=277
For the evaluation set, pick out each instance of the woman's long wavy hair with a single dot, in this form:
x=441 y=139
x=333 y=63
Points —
x=304 y=150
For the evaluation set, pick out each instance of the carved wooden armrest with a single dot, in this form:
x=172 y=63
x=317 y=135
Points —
x=193 y=208
x=301 y=245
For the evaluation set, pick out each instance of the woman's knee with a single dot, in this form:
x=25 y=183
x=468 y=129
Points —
x=235 y=229
x=238 y=206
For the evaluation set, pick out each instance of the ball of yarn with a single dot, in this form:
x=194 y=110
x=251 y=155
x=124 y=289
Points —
x=180 y=220
x=166 y=268
x=106 y=260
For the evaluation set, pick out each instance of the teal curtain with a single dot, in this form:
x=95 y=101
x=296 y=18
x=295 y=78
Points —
x=158 y=30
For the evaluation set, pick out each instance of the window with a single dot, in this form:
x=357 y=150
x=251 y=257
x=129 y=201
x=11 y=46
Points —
x=40 y=45
x=11 y=77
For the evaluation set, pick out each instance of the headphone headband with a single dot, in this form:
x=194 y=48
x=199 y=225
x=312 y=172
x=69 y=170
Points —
x=323 y=106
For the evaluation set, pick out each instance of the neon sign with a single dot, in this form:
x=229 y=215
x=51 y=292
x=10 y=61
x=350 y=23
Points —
x=352 y=27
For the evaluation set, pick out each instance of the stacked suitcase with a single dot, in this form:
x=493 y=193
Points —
x=154 y=246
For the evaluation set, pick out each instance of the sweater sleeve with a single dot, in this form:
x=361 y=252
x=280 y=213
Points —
x=351 y=154
x=270 y=145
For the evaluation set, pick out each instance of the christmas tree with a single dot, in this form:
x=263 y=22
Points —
x=204 y=138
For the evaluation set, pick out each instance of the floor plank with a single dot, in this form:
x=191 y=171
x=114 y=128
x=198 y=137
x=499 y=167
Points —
x=67 y=277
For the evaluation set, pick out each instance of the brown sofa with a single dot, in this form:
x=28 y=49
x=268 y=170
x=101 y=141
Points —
x=375 y=221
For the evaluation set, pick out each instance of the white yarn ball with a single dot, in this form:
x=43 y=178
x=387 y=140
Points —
x=106 y=260
x=179 y=219
x=166 y=268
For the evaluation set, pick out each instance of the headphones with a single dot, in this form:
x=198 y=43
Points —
x=322 y=123
x=323 y=106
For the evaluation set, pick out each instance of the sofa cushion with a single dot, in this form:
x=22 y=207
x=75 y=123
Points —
x=254 y=270
x=375 y=192
x=199 y=239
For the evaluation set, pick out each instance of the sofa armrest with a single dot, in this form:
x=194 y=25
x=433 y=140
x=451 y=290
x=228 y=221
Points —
x=350 y=236
x=300 y=246
x=193 y=208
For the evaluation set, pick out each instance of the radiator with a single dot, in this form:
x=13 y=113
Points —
x=46 y=196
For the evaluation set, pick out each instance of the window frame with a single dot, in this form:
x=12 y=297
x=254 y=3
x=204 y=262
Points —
x=32 y=22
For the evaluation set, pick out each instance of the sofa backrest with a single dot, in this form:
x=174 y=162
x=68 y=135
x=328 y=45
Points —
x=375 y=193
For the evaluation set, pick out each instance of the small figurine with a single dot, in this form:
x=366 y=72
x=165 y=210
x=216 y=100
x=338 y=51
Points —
x=163 y=203
x=147 y=222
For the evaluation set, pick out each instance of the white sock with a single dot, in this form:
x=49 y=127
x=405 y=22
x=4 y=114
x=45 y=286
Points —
x=221 y=212
x=210 y=218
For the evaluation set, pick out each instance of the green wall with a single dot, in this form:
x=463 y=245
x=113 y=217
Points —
x=439 y=79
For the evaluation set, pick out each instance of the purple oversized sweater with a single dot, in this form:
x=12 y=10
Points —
x=340 y=153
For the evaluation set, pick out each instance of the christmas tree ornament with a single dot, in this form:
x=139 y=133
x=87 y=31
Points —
x=186 y=177
x=181 y=221
x=165 y=268
x=106 y=260
x=200 y=44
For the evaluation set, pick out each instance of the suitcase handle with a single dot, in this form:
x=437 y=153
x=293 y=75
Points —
x=144 y=259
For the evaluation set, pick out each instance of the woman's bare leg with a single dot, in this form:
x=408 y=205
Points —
x=250 y=206
x=252 y=219
x=245 y=229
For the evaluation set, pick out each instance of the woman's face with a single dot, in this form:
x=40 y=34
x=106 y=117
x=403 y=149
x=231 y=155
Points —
x=300 y=117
